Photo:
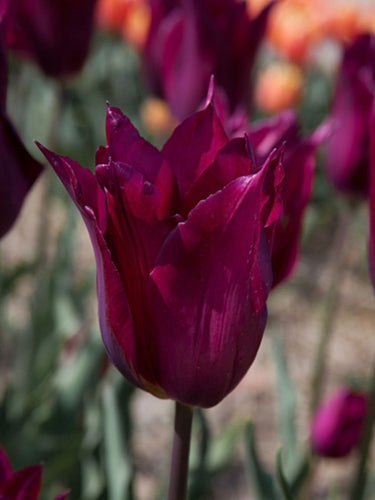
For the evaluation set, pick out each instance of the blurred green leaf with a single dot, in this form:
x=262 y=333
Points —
x=286 y=406
x=260 y=480
x=118 y=460
x=282 y=481
x=199 y=474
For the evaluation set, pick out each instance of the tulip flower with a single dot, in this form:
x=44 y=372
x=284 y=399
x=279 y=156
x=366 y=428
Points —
x=182 y=239
x=18 y=170
x=190 y=40
x=23 y=484
x=338 y=423
x=347 y=156
x=55 y=34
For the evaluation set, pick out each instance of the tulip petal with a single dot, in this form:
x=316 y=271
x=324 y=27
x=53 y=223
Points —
x=5 y=467
x=185 y=65
x=125 y=145
x=347 y=149
x=232 y=161
x=123 y=246
x=55 y=34
x=211 y=281
x=193 y=147
x=371 y=250
x=24 y=484
x=80 y=183
x=18 y=172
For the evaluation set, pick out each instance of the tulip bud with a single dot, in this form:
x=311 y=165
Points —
x=338 y=423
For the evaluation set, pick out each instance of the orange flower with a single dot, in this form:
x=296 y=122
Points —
x=342 y=22
x=136 y=23
x=110 y=14
x=279 y=86
x=293 y=27
x=156 y=117
x=131 y=18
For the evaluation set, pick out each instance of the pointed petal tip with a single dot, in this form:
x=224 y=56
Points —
x=210 y=91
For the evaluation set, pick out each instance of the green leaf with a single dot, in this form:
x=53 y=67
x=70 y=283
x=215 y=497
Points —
x=118 y=462
x=286 y=406
x=282 y=482
x=199 y=475
x=223 y=445
x=261 y=481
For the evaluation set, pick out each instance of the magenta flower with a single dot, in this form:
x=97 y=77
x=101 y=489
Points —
x=182 y=240
x=18 y=170
x=189 y=40
x=337 y=425
x=55 y=34
x=347 y=155
x=23 y=484
x=298 y=163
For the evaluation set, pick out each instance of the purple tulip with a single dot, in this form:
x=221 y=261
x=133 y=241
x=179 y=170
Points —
x=18 y=170
x=190 y=40
x=182 y=240
x=371 y=253
x=21 y=485
x=298 y=163
x=347 y=156
x=55 y=34
x=338 y=423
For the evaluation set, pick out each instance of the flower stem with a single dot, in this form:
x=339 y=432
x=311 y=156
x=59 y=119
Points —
x=180 y=452
x=359 y=482
x=329 y=306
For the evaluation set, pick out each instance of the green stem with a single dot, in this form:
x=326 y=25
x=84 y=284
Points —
x=359 y=482
x=52 y=143
x=329 y=307
x=180 y=452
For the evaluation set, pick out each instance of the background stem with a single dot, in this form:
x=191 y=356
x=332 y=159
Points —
x=359 y=482
x=180 y=452
x=337 y=262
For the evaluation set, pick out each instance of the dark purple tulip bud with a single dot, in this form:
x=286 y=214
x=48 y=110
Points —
x=182 y=241
x=55 y=34
x=347 y=155
x=23 y=484
x=338 y=423
x=18 y=170
x=190 y=40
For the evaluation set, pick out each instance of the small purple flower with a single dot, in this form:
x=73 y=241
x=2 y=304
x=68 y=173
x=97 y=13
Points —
x=182 y=240
x=337 y=424
x=347 y=154
x=23 y=484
